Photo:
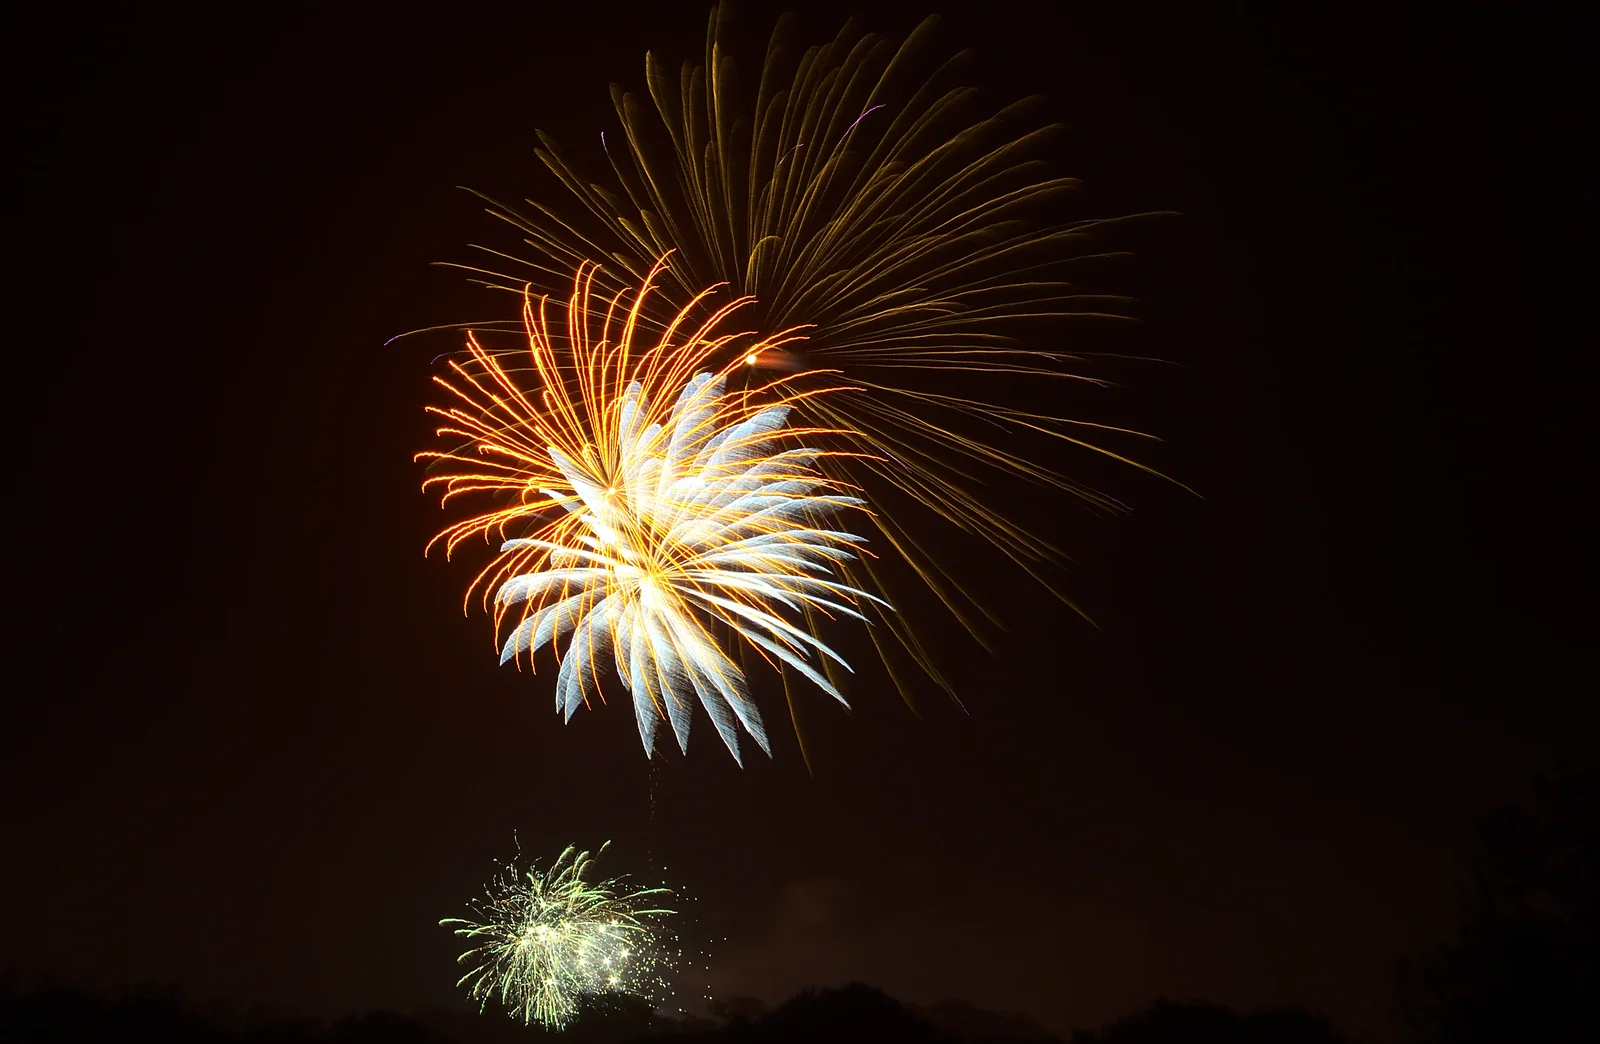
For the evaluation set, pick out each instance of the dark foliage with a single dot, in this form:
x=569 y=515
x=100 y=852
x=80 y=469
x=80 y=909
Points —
x=1523 y=965
x=854 y=1013
x=1170 y=1022
x=54 y=1014
x=59 y=1013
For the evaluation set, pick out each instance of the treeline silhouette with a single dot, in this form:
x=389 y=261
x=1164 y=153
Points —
x=1525 y=963
x=1522 y=969
x=848 y=1015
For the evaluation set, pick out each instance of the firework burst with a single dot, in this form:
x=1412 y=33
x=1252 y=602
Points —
x=856 y=197
x=544 y=942
x=654 y=511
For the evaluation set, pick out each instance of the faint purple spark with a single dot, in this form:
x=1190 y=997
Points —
x=863 y=116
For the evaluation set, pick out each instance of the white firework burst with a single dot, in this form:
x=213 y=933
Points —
x=696 y=524
x=547 y=941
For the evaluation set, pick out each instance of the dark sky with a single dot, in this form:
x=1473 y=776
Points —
x=253 y=747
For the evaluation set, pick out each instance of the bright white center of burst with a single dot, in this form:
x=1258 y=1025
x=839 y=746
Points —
x=650 y=596
x=751 y=359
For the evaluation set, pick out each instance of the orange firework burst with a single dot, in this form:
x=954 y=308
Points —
x=646 y=510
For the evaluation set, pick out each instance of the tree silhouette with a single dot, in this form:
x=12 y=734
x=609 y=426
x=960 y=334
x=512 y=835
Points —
x=854 y=1014
x=1172 y=1022
x=968 y=1022
x=1523 y=966
x=57 y=1012
x=842 y=1016
x=382 y=1027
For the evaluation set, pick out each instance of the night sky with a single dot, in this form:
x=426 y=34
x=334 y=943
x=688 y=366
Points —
x=252 y=746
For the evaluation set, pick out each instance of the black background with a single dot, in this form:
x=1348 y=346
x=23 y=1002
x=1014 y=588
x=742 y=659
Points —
x=253 y=747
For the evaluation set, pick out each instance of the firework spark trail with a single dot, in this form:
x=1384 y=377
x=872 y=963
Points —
x=544 y=942
x=676 y=524
x=901 y=244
